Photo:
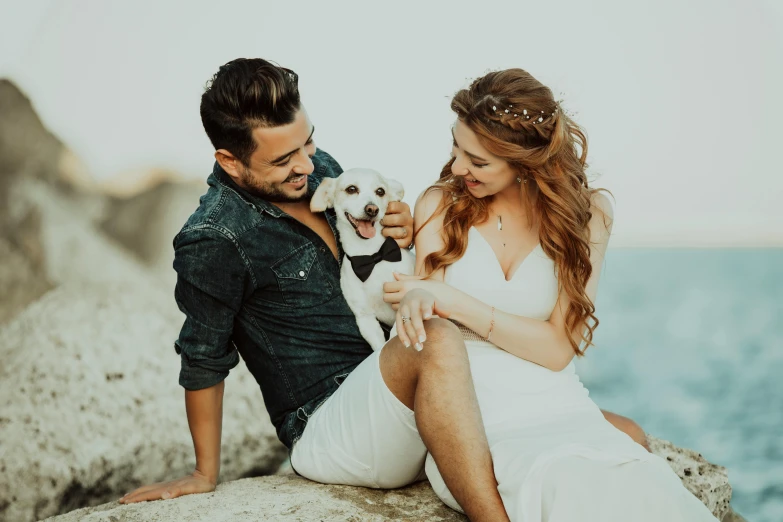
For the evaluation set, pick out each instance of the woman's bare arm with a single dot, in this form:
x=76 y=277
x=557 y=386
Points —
x=543 y=342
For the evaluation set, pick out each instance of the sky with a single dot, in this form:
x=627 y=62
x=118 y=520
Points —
x=680 y=100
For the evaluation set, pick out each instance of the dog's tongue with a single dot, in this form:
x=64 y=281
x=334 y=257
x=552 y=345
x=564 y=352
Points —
x=365 y=229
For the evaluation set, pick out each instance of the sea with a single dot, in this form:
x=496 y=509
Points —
x=690 y=346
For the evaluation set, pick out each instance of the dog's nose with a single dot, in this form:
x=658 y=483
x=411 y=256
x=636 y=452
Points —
x=371 y=210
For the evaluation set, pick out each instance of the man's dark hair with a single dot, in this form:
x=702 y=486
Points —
x=244 y=94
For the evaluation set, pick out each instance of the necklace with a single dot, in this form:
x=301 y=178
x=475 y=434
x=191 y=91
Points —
x=500 y=227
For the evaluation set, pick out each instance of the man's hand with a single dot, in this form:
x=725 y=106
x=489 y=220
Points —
x=398 y=223
x=195 y=483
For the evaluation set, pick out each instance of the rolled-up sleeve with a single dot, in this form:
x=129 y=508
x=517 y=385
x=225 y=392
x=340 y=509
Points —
x=212 y=281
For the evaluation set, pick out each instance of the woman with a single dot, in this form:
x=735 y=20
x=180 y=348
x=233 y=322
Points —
x=509 y=244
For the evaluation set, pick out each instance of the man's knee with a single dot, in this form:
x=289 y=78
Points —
x=444 y=342
x=442 y=331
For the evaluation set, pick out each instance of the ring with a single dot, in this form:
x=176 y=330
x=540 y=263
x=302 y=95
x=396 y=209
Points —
x=405 y=319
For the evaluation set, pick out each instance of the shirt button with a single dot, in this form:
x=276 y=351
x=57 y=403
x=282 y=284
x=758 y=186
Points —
x=301 y=273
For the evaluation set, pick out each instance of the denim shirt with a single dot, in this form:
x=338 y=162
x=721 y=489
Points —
x=251 y=279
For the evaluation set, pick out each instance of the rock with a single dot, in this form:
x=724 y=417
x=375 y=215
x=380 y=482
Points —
x=136 y=182
x=147 y=222
x=289 y=498
x=733 y=516
x=28 y=153
x=91 y=407
x=281 y=498
x=709 y=482
x=21 y=282
x=29 y=150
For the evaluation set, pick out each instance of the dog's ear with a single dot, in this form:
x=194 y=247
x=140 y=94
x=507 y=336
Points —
x=323 y=197
x=396 y=190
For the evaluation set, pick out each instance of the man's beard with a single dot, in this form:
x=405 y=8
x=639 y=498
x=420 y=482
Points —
x=271 y=193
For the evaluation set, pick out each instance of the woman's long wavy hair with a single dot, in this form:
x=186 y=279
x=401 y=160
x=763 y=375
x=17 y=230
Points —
x=516 y=118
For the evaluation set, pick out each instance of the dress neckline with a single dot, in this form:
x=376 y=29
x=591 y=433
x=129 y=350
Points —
x=497 y=261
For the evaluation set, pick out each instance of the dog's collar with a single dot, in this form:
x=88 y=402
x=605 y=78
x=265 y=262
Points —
x=363 y=265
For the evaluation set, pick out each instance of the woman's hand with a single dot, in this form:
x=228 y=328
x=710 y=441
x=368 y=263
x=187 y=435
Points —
x=395 y=291
x=416 y=300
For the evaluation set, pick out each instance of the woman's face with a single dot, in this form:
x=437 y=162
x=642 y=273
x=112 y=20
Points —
x=485 y=174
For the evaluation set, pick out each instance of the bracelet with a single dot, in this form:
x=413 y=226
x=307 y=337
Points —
x=491 y=325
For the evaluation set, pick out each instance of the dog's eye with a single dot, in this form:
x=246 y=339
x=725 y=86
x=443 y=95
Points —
x=380 y=192
x=351 y=189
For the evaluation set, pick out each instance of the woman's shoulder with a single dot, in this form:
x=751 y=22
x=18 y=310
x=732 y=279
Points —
x=428 y=206
x=600 y=202
x=602 y=218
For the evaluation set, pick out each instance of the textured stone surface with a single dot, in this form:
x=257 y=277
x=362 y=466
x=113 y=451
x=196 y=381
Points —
x=709 y=482
x=281 y=498
x=29 y=155
x=27 y=148
x=21 y=282
x=147 y=222
x=732 y=516
x=289 y=498
x=91 y=407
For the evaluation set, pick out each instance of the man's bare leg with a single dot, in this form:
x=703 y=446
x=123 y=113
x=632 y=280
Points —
x=628 y=426
x=436 y=384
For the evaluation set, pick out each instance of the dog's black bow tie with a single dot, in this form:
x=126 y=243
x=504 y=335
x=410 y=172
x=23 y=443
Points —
x=363 y=265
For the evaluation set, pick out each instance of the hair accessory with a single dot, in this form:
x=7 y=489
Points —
x=524 y=113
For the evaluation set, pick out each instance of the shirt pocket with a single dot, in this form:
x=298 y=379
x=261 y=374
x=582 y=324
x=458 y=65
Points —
x=301 y=278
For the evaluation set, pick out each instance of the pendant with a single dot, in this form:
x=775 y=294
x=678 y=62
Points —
x=500 y=224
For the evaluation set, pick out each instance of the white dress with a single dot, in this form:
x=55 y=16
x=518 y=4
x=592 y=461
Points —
x=556 y=458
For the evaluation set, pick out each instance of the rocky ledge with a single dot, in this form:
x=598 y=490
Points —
x=291 y=498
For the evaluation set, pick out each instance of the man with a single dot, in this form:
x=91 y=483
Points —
x=258 y=274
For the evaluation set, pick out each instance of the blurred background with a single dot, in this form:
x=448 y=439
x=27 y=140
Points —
x=103 y=157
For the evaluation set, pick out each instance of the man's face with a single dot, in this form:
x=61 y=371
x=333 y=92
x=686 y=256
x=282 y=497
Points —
x=281 y=162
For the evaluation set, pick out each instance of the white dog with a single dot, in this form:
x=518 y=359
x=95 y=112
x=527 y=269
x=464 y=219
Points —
x=359 y=198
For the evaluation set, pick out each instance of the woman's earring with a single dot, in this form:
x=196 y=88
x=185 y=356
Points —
x=519 y=180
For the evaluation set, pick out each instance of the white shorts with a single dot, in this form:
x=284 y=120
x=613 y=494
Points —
x=361 y=436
